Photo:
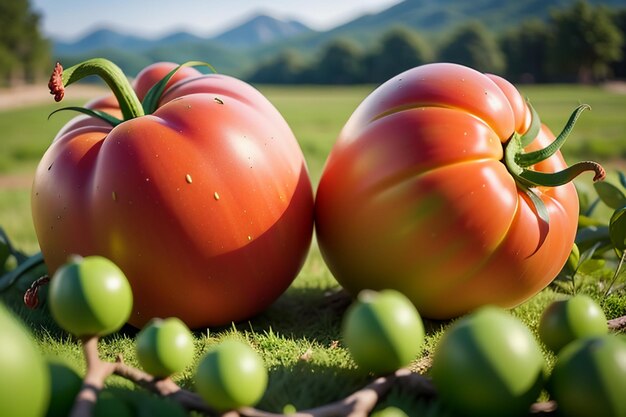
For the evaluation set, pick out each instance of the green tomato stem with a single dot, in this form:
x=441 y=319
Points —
x=533 y=129
x=518 y=161
x=128 y=101
x=531 y=158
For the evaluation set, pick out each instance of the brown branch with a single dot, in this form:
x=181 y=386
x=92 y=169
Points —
x=546 y=408
x=97 y=372
x=164 y=387
x=358 y=404
x=617 y=324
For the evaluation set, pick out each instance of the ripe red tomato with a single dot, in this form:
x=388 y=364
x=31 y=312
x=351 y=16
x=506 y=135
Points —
x=205 y=204
x=416 y=196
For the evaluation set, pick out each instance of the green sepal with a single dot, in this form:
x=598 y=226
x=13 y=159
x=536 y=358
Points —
x=130 y=106
x=531 y=158
x=106 y=117
x=539 y=205
x=153 y=96
x=554 y=179
x=533 y=129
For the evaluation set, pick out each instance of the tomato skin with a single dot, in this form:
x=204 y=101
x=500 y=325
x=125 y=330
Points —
x=24 y=376
x=382 y=331
x=488 y=364
x=564 y=321
x=90 y=297
x=231 y=375
x=206 y=204
x=414 y=196
x=589 y=377
x=164 y=347
x=65 y=384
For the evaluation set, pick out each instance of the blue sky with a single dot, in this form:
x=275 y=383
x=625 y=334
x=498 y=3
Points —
x=69 y=19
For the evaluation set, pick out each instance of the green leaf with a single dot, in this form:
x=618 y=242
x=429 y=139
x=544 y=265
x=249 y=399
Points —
x=533 y=129
x=588 y=254
x=617 y=229
x=7 y=251
x=610 y=195
x=99 y=114
x=153 y=96
x=23 y=268
x=586 y=221
x=586 y=237
x=592 y=207
x=622 y=178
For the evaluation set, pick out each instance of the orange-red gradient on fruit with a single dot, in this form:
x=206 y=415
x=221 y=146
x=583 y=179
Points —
x=415 y=196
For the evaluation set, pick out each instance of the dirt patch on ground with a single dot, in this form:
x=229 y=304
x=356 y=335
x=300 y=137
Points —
x=27 y=95
x=618 y=87
x=16 y=181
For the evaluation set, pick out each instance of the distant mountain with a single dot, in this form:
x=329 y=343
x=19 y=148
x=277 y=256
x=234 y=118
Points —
x=436 y=18
x=262 y=29
x=227 y=52
x=180 y=37
x=238 y=49
x=258 y=30
x=101 y=39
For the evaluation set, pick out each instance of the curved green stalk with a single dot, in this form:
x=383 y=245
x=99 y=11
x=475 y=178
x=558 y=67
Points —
x=531 y=158
x=129 y=103
x=533 y=129
x=518 y=162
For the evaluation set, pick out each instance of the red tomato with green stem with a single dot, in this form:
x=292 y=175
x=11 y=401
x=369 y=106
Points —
x=433 y=188
x=199 y=193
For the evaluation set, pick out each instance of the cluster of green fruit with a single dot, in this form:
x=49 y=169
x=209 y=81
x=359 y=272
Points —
x=90 y=297
x=488 y=363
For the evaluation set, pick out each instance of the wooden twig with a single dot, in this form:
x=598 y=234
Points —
x=617 y=324
x=164 y=387
x=358 y=404
x=97 y=372
x=545 y=408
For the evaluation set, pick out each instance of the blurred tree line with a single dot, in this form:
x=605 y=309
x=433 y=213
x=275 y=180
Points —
x=582 y=43
x=578 y=43
x=24 y=52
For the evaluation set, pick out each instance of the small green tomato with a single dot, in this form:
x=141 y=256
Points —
x=564 y=321
x=65 y=384
x=90 y=296
x=165 y=347
x=24 y=378
x=111 y=404
x=589 y=377
x=488 y=364
x=383 y=331
x=390 y=412
x=230 y=376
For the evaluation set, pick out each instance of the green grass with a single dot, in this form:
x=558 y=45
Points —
x=297 y=336
x=27 y=132
x=600 y=134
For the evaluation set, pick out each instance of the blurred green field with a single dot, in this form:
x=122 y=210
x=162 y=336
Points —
x=316 y=114
x=306 y=319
